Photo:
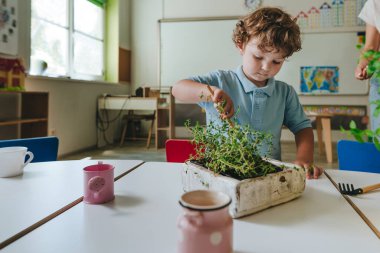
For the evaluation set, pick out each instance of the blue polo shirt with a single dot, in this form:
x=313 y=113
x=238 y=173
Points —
x=263 y=108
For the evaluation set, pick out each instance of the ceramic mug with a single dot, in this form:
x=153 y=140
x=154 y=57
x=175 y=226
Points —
x=13 y=160
x=98 y=183
x=205 y=225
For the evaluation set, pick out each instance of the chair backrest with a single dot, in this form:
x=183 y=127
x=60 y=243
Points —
x=356 y=156
x=44 y=149
x=179 y=150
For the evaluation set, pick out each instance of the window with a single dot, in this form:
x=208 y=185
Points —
x=69 y=36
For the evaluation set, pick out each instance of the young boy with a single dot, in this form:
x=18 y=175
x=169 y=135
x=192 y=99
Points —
x=265 y=39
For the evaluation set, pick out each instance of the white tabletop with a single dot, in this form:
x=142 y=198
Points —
x=43 y=189
x=143 y=217
x=368 y=203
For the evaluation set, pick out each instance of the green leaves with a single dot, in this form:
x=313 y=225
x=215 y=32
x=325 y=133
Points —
x=373 y=69
x=363 y=135
x=377 y=108
x=17 y=88
x=377 y=143
x=232 y=150
x=352 y=124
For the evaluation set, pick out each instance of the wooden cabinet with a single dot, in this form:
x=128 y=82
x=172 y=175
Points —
x=165 y=119
x=23 y=114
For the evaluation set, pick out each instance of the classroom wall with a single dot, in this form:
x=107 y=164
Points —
x=145 y=39
x=72 y=103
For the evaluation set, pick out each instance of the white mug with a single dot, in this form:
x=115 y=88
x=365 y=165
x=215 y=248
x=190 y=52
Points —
x=12 y=160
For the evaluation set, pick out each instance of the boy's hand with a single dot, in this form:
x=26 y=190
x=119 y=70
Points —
x=223 y=100
x=312 y=171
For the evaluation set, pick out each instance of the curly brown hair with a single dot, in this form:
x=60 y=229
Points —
x=274 y=28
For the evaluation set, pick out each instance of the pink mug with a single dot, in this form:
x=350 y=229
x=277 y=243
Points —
x=98 y=183
x=205 y=225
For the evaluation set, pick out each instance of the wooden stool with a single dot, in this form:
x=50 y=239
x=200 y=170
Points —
x=136 y=117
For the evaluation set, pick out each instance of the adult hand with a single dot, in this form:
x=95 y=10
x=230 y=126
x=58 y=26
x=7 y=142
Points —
x=361 y=70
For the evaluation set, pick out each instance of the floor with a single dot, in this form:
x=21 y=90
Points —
x=135 y=150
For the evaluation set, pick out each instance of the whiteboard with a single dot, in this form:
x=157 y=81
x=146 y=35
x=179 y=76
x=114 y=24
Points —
x=197 y=47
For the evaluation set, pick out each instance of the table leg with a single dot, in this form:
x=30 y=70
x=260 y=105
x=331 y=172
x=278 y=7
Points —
x=326 y=126
x=319 y=134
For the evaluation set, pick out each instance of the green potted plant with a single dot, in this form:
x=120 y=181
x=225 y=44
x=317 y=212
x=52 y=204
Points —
x=228 y=159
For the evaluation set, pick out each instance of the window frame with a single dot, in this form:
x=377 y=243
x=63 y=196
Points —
x=71 y=74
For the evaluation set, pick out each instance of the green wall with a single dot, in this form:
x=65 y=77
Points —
x=112 y=41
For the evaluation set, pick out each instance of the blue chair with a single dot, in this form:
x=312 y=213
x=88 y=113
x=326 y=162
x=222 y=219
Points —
x=356 y=156
x=44 y=149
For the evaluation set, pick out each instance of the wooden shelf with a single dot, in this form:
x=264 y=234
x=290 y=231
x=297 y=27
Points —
x=165 y=120
x=21 y=121
x=23 y=114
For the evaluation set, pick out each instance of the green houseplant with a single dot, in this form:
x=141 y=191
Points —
x=232 y=150
x=368 y=135
x=229 y=159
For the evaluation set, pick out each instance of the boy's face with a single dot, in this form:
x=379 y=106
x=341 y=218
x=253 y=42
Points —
x=259 y=65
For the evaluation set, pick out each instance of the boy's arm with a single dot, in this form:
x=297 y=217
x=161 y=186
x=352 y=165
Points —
x=305 y=152
x=191 y=91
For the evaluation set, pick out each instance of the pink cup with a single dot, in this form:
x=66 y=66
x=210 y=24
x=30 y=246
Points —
x=206 y=225
x=98 y=183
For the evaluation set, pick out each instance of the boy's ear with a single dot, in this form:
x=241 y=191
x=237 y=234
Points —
x=240 y=46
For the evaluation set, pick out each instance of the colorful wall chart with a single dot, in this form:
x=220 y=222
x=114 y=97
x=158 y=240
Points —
x=319 y=79
x=8 y=27
x=338 y=13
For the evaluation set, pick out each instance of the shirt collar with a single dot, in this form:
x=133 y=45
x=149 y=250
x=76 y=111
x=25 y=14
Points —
x=249 y=86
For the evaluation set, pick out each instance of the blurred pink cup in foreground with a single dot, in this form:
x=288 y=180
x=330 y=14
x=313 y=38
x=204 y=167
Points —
x=98 y=183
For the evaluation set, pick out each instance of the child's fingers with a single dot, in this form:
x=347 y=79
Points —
x=214 y=99
x=217 y=95
x=313 y=171
x=308 y=173
x=317 y=171
x=229 y=111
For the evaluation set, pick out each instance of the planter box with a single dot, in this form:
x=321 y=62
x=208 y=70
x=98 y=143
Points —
x=249 y=195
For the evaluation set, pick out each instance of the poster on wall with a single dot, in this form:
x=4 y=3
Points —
x=331 y=14
x=319 y=79
x=8 y=27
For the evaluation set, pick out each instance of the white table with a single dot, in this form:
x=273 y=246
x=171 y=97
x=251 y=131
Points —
x=369 y=203
x=143 y=217
x=43 y=189
x=164 y=121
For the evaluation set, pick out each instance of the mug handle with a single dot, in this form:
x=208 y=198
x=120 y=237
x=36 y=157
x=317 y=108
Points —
x=31 y=156
x=194 y=219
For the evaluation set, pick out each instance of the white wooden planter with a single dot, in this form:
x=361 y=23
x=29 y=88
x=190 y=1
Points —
x=249 y=195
